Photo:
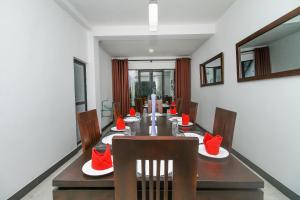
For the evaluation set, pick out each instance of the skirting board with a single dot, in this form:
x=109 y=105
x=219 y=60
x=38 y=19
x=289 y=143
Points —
x=282 y=188
x=22 y=192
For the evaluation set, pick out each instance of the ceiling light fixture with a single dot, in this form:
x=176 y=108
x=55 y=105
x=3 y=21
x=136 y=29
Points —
x=153 y=15
x=151 y=50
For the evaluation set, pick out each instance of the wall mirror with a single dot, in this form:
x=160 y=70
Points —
x=272 y=52
x=211 y=71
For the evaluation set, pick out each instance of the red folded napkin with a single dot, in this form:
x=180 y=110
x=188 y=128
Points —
x=173 y=110
x=101 y=161
x=120 y=124
x=212 y=143
x=185 y=119
x=173 y=103
x=132 y=112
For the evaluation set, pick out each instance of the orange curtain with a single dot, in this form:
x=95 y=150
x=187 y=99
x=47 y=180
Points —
x=262 y=61
x=183 y=82
x=120 y=84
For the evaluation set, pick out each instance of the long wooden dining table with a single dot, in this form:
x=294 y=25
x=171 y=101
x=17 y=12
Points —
x=226 y=179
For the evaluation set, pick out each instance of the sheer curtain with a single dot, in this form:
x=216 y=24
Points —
x=120 y=84
x=183 y=82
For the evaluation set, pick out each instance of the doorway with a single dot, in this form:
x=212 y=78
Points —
x=80 y=91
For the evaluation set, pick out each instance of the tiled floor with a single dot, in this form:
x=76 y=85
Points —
x=44 y=190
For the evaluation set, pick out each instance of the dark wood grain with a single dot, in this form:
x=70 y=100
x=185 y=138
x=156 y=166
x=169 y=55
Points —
x=226 y=176
x=258 y=33
x=89 y=128
x=203 y=79
x=193 y=111
x=224 y=125
x=129 y=149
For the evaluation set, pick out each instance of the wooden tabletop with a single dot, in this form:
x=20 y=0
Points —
x=228 y=173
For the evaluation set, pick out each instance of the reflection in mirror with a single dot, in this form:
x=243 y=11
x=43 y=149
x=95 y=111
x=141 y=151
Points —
x=272 y=51
x=211 y=71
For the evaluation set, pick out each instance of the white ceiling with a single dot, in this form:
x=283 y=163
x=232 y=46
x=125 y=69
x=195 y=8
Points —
x=110 y=14
x=162 y=47
x=135 y=12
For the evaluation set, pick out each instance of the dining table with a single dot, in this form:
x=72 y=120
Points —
x=227 y=178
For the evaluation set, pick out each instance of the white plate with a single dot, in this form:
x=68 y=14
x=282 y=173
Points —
x=162 y=167
x=190 y=124
x=131 y=119
x=156 y=114
x=115 y=129
x=200 y=137
x=108 y=139
x=88 y=170
x=223 y=153
x=172 y=119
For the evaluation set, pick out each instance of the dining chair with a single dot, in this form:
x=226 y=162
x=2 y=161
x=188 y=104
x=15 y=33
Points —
x=131 y=186
x=193 y=111
x=139 y=105
x=179 y=105
x=116 y=110
x=89 y=128
x=159 y=106
x=224 y=125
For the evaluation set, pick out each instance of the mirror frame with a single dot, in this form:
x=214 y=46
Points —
x=202 y=67
x=265 y=29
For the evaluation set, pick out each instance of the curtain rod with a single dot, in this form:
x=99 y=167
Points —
x=150 y=60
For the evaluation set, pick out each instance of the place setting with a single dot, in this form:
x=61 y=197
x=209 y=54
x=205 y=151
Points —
x=132 y=116
x=211 y=147
x=120 y=126
x=101 y=163
x=185 y=121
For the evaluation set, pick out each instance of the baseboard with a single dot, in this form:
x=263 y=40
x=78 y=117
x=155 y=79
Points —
x=22 y=192
x=282 y=188
x=108 y=125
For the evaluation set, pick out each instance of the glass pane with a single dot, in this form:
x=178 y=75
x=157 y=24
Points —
x=145 y=88
x=79 y=83
x=168 y=85
x=157 y=84
x=133 y=85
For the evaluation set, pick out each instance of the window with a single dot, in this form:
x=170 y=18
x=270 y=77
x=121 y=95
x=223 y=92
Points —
x=143 y=83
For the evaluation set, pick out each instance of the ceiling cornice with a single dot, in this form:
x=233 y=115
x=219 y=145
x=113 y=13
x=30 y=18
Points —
x=75 y=14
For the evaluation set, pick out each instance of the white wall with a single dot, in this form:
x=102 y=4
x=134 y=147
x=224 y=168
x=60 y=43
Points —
x=268 y=111
x=37 y=102
x=103 y=82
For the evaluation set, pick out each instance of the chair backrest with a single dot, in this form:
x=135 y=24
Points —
x=181 y=150
x=224 y=125
x=159 y=106
x=89 y=128
x=139 y=105
x=179 y=105
x=116 y=110
x=193 y=111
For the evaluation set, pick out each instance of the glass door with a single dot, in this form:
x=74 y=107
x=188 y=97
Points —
x=80 y=91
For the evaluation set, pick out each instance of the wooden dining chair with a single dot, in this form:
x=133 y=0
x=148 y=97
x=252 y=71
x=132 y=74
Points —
x=193 y=111
x=159 y=106
x=224 y=125
x=139 y=104
x=116 y=110
x=181 y=150
x=89 y=128
x=179 y=105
